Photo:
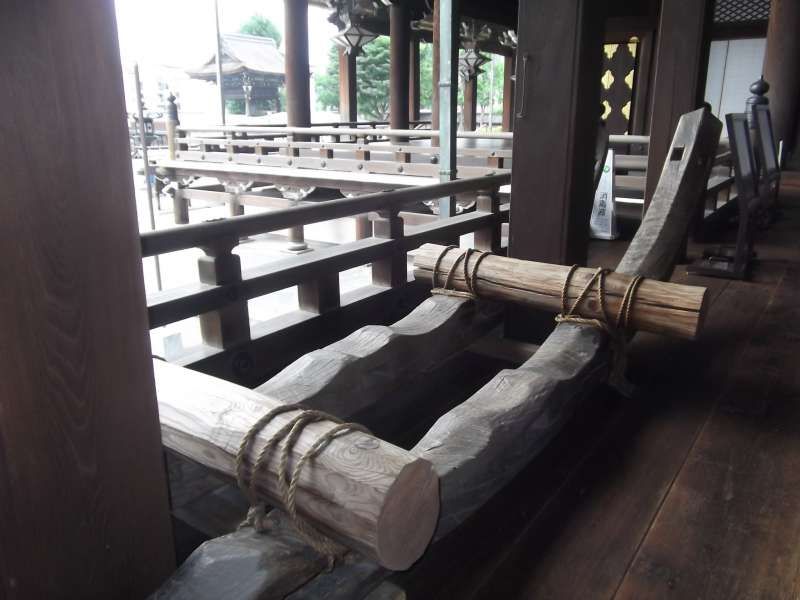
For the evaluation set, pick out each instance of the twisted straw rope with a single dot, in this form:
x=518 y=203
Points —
x=288 y=435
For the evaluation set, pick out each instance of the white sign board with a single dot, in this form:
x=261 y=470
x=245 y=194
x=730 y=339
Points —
x=603 y=224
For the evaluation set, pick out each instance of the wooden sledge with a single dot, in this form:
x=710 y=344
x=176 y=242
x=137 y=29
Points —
x=475 y=448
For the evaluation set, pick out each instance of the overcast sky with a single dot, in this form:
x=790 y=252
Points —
x=180 y=33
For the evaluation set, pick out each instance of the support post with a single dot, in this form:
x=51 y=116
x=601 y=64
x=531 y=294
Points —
x=298 y=99
x=435 y=71
x=348 y=93
x=554 y=129
x=488 y=239
x=782 y=71
x=508 y=92
x=678 y=85
x=228 y=326
x=399 y=73
x=298 y=102
x=83 y=488
x=392 y=271
x=448 y=97
x=470 y=110
x=220 y=86
x=413 y=79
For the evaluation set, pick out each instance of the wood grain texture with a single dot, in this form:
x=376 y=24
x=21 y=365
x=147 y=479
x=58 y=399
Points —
x=353 y=375
x=364 y=492
x=733 y=508
x=482 y=443
x=81 y=467
x=678 y=76
x=658 y=307
x=666 y=223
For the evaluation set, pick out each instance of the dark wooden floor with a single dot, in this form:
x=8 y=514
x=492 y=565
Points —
x=690 y=490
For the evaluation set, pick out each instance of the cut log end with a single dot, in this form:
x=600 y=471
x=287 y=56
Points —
x=409 y=516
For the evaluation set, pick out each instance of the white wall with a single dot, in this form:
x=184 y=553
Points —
x=732 y=66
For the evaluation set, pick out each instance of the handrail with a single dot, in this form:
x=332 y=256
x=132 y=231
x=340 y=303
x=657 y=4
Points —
x=361 y=132
x=198 y=234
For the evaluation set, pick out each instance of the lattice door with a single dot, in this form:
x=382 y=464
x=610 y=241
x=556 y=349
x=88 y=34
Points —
x=619 y=71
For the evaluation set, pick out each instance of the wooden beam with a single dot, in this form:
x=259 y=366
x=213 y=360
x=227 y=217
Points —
x=365 y=493
x=782 y=69
x=348 y=92
x=658 y=307
x=399 y=71
x=470 y=108
x=678 y=82
x=82 y=481
x=435 y=71
x=509 y=63
x=413 y=79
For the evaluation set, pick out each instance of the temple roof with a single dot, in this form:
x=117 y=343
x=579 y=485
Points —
x=243 y=52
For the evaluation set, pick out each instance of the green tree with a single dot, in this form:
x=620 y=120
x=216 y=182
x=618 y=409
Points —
x=327 y=83
x=372 y=72
x=485 y=90
x=262 y=27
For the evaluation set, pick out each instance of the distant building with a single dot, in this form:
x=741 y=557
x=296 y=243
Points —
x=252 y=72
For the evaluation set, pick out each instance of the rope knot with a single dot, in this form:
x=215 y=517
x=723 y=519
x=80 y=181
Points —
x=616 y=329
x=470 y=277
x=285 y=437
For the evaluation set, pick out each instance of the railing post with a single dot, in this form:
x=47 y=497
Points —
x=391 y=271
x=180 y=205
x=320 y=295
x=488 y=239
x=172 y=123
x=230 y=325
x=235 y=208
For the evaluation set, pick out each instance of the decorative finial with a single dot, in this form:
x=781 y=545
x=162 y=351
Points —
x=172 y=108
x=758 y=89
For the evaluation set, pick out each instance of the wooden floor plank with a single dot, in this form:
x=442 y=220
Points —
x=734 y=511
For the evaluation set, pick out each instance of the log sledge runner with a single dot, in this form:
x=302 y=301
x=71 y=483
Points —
x=385 y=503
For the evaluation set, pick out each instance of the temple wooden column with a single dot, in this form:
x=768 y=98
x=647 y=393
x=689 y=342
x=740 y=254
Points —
x=298 y=93
x=399 y=41
x=555 y=129
x=435 y=72
x=508 y=92
x=782 y=70
x=679 y=80
x=470 y=108
x=413 y=79
x=348 y=92
x=83 y=488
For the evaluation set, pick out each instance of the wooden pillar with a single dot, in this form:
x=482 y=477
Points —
x=413 y=79
x=298 y=98
x=555 y=129
x=83 y=488
x=435 y=72
x=508 y=92
x=470 y=108
x=348 y=97
x=298 y=92
x=556 y=113
x=782 y=69
x=399 y=40
x=679 y=79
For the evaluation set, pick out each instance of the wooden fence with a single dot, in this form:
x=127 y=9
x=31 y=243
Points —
x=233 y=351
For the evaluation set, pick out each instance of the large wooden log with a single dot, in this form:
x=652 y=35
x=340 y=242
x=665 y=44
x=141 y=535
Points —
x=365 y=493
x=658 y=307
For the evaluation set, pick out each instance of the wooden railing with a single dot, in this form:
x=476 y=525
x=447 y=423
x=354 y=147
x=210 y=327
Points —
x=231 y=350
